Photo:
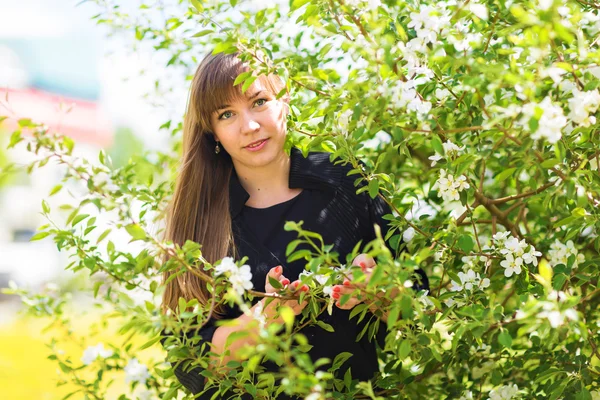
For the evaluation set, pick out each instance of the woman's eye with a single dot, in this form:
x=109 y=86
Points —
x=260 y=102
x=225 y=115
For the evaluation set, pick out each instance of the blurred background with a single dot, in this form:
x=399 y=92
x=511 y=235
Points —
x=57 y=66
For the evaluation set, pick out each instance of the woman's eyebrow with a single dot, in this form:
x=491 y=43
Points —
x=255 y=94
x=249 y=98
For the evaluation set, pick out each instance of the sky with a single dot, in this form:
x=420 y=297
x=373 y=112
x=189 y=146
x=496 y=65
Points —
x=64 y=50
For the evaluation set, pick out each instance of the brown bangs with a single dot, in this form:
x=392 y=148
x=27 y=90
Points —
x=216 y=86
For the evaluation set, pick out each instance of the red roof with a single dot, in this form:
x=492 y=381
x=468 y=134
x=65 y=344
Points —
x=81 y=120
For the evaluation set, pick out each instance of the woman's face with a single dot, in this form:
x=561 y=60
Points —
x=252 y=128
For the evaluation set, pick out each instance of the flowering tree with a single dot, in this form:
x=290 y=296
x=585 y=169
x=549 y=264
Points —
x=474 y=120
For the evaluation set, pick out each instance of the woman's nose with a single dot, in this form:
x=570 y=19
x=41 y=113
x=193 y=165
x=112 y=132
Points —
x=248 y=123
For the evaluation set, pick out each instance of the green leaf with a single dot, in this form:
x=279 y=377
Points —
x=79 y=218
x=39 y=236
x=204 y=32
x=550 y=163
x=275 y=283
x=325 y=326
x=198 y=5
x=505 y=174
x=136 y=232
x=103 y=235
x=436 y=143
x=45 y=207
x=288 y=318
x=55 y=189
x=292 y=246
x=242 y=77
x=376 y=276
x=466 y=243
x=393 y=317
x=584 y=394
x=404 y=350
x=505 y=339
x=340 y=359
x=150 y=343
x=247 y=83
x=373 y=188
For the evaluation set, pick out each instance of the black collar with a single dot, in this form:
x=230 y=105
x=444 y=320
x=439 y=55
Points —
x=313 y=172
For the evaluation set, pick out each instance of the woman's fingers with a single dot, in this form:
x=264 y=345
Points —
x=354 y=291
x=351 y=303
x=275 y=273
x=364 y=261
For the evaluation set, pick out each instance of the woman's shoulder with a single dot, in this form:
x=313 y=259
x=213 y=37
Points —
x=317 y=170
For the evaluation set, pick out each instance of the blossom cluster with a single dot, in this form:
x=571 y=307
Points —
x=550 y=123
x=449 y=187
x=582 y=105
x=559 y=253
x=553 y=311
x=240 y=278
x=505 y=392
x=470 y=280
x=136 y=372
x=516 y=253
x=321 y=280
x=92 y=353
x=404 y=95
x=451 y=150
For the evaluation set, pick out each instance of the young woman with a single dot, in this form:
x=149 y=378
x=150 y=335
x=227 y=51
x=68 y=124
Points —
x=236 y=189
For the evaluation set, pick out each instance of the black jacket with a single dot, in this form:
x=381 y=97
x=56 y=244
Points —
x=330 y=206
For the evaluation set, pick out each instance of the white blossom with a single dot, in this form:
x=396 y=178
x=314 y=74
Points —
x=555 y=316
x=424 y=299
x=550 y=123
x=505 y=392
x=136 y=372
x=259 y=316
x=450 y=149
x=480 y=10
x=93 y=352
x=442 y=94
x=555 y=73
x=448 y=187
x=501 y=236
x=454 y=301
x=559 y=253
x=469 y=280
x=531 y=257
x=511 y=265
x=582 y=105
x=545 y=4
x=514 y=246
x=429 y=22
x=595 y=395
x=468 y=395
x=240 y=278
x=145 y=395
x=344 y=120
x=435 y=158
x=408 y=234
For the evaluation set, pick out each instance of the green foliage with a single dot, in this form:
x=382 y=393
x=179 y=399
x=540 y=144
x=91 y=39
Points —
x=474 y=121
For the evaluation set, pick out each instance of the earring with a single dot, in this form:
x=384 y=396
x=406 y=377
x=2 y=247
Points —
x=217 y=148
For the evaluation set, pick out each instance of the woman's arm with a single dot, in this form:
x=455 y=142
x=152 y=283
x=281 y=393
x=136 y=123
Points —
x=224 y=353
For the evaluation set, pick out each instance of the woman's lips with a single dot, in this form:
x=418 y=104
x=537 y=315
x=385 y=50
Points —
x=258 y=146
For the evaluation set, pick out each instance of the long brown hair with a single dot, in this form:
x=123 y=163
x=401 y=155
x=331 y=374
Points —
x=199 y=209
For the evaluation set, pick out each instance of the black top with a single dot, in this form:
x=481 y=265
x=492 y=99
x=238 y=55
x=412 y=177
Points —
x=329 y=205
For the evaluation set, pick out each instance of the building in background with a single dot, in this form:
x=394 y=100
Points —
x=53 y=80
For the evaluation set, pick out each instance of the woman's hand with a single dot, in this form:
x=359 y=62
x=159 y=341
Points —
x=366 y=263
x=289 y=289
